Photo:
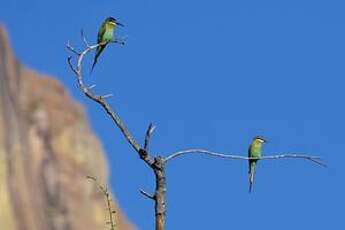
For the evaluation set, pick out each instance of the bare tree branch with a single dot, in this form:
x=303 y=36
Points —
x=99 y=99
x=157 y=163
x=314 y=159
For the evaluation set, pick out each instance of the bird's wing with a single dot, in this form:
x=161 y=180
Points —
x=249 y=155
x=101 y=32
x=249 y=150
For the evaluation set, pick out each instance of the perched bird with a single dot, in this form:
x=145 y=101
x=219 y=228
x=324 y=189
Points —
x=255 y=150
x=105 y=35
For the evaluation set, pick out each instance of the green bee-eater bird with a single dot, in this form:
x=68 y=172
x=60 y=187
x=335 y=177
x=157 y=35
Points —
x=105 y=35
x=255 y=150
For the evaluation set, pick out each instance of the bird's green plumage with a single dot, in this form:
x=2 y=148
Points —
x=105 y=35
x=255 y=150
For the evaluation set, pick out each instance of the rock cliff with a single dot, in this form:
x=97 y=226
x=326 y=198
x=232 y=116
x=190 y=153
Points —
x=46 y=151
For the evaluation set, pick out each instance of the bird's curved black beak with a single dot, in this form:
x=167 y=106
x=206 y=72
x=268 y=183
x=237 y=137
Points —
x=118 y=23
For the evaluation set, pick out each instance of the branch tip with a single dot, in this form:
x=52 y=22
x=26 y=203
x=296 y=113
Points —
x=107 y=96
x=147 y=195
x=84 y=38
x=150 y=129
x=72 y=49
x=91 y=86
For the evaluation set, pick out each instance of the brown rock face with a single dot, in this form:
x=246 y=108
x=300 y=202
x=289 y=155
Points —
x=46 y=151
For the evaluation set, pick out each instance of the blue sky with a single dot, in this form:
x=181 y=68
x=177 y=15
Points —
x=210 y=74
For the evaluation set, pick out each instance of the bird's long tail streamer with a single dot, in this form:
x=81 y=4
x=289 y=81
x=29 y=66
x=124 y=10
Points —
x=251 y=175
x=98 y=52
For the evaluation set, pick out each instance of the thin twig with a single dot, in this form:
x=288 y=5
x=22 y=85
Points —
x=148 y=135
x=91 y=86
x=106 y=194
x=107 y=95
x=314 y=159
x=121 y=41
x=72 y=49
x=84 y=38
x=69 y=60
x=146 y=194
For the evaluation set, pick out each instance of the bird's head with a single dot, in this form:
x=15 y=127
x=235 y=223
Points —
x=259 y=140
x=113 y=22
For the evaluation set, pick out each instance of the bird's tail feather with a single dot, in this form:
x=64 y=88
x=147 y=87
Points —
x=98 y=52
x=251 y=175
x=93 y=65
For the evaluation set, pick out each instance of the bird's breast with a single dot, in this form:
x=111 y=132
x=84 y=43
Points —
x=108 y=35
